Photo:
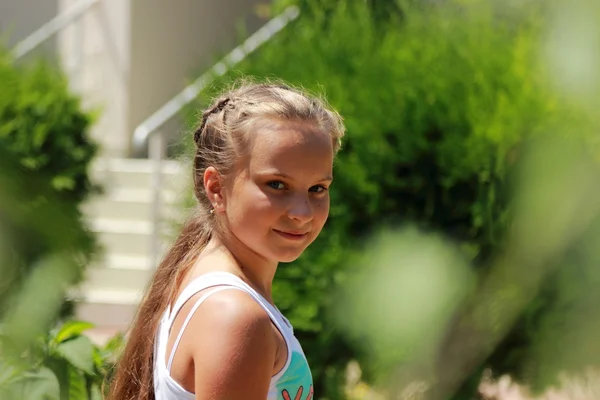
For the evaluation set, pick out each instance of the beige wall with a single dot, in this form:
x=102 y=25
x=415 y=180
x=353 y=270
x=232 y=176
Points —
x=173 y=42
x=19 y=18
x=95 y=53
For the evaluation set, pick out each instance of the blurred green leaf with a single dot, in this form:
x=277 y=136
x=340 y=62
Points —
x=39 y=300
x=45 y=152
x=77 y=385
x=79 y=352
x=38 y=385
x=95 y=393
x=8 y=374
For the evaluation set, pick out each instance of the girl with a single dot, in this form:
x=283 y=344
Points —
x=208 y=328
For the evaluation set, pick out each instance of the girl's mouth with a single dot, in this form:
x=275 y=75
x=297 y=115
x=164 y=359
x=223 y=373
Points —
x=291 y=235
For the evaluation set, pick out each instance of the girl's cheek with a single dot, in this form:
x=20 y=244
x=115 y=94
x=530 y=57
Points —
x=323 y=204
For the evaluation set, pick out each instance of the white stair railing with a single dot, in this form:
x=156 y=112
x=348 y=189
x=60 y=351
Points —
x=148 y=132
x=52 y=27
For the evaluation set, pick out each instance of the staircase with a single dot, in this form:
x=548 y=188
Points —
x=122 y=219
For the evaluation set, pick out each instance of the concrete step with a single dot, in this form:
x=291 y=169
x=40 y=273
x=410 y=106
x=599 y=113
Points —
x=139 y=174
x=132 y=204
x=135 y=165
x=126 y=280
x=110 y=310
x=127 y=237
x=120 y=273
x=137 y=180
x=123 y=261
x=129 y=243
x=101 y=335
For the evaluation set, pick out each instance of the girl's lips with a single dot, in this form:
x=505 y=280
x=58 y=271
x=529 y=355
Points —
x=290 y=235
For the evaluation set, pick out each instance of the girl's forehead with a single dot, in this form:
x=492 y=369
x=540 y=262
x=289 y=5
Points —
x=285 y=136
x=291 y=145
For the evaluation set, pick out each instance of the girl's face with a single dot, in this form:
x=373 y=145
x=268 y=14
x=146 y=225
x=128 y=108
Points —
x=277 y=200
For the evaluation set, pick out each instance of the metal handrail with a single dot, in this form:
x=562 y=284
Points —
x=52 y=27
x=148 y=131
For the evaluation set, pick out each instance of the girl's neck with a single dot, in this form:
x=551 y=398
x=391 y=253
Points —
x=233 y=257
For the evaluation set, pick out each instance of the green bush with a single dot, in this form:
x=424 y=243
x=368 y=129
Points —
x=43 y=252
x=45 y=152
x=42 y=124
x=44 y=132
x=64 y=364
x=437 y=103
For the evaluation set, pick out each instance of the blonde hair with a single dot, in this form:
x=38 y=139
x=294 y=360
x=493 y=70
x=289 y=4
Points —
x=222 y=136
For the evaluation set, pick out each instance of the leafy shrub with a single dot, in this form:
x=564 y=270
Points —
x=437 y=104
x=42 y=124
x=44 y=244
x=64 y=364
x=44 y=133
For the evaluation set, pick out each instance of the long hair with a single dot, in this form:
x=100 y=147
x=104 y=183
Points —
x=220 y=139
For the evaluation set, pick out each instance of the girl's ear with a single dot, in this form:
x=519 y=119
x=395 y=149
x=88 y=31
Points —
x=213 y=185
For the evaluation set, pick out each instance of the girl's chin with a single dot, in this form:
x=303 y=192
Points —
x=289 y=256
x=288 y=260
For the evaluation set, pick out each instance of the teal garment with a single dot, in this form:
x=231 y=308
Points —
x=296 y=383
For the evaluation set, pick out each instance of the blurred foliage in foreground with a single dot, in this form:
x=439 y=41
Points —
x=35 y=364
x=426 y=316
x=44 y=132
x=582 y=386
x=467 y=123
x=45 y=246
x=63 y=364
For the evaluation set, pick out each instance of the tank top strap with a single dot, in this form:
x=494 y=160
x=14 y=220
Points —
x=218 y=278
x=189 y=317
x=198 y=284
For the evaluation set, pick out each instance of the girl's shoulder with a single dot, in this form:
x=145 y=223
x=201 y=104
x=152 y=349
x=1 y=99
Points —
x=225 y=308
x=228 y=344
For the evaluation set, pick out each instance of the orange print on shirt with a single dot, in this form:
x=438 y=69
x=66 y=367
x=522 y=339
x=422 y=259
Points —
x=286 y=394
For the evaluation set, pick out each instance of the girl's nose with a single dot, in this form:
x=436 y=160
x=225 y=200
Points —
x=301 y=209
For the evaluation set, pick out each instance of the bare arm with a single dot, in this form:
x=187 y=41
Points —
x=233 y=348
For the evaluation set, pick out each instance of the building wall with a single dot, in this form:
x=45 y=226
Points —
x=19 y=18
x=173 y=42
x=96 y=53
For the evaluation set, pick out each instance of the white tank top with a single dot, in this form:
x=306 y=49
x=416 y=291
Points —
x=294 y=381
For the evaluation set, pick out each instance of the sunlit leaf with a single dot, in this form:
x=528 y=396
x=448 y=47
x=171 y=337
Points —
x=71 y=329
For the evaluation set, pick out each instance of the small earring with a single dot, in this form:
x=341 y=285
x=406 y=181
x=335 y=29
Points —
x=212 y=211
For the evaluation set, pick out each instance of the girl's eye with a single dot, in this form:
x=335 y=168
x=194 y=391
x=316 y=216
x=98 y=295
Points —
x=276 y=185
x=318 y=189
